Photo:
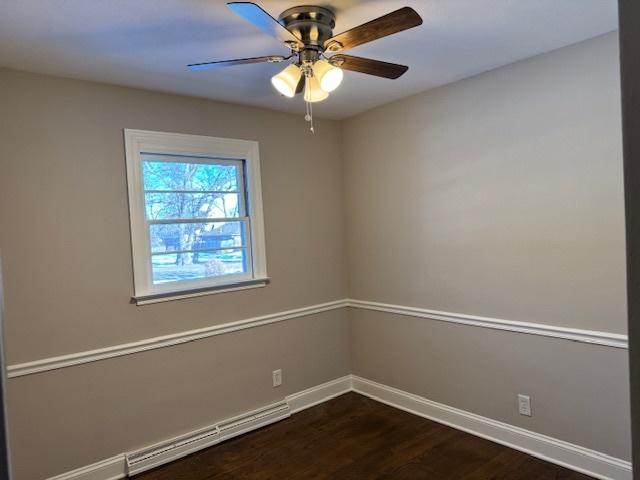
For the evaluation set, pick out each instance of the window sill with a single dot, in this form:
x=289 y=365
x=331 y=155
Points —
x=199 y=292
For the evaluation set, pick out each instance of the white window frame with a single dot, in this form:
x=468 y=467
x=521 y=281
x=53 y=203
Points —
x=139 y=142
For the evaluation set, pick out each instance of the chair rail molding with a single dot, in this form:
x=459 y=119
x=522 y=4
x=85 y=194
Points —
x=63 y=361
x=593 y=337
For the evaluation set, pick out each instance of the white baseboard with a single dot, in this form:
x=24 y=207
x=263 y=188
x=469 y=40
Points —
x=109 y=469
x=556 y=451
x=319 y=394
x=178 y=447
x=174 y=448
x=574 y=457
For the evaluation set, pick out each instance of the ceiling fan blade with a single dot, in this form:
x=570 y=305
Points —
x=368 y=66
x=256 y=15
x=388 y=24
x=237 y=61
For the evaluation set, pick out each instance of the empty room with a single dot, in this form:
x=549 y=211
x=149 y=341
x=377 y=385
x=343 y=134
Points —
x=359 y=239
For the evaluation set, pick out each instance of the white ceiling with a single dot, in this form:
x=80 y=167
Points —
x=147 y=43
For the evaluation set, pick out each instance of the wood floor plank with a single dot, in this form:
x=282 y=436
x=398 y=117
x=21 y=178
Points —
x=352 y=438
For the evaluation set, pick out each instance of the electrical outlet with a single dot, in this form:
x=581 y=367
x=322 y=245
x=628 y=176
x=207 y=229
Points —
x=277 y=377
x=524 y=405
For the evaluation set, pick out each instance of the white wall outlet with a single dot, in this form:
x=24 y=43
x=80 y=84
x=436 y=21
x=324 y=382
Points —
x=524 y=405
x=277 y=377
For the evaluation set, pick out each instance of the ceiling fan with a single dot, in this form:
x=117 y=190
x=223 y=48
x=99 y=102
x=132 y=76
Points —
x=307 y=31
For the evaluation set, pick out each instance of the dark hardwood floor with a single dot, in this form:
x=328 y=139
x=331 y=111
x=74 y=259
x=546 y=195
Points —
x=352 y=437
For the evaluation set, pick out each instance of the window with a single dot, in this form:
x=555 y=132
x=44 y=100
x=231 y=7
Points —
x=196 y=215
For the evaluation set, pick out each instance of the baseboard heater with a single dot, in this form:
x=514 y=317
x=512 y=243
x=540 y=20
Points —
x=178 y=447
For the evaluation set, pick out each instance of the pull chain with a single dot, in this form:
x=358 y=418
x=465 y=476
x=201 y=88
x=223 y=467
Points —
x=308 y=73
x=309 y=116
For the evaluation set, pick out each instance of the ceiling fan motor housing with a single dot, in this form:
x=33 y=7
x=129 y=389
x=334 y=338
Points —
x=312 y=24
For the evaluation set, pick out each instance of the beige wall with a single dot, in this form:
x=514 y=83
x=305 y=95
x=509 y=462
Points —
x=69 y=278
x=65 y=244
x=578 y=392
x=501 y=196
x=76 y=416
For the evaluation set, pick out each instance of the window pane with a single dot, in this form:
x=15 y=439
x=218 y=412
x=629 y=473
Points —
x=184 y=176
x=179 y=266
x=161 y=206
x=187 y=237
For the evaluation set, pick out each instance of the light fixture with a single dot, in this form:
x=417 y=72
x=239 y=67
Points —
x=319 y=76
x=287 y=80
x=312 y=91
x=329 y=76
x=307 y=32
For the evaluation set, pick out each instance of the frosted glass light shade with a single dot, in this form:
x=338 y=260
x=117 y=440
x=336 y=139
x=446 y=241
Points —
x=312 y=91
x=330 y=77
x=287 y=80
